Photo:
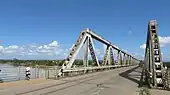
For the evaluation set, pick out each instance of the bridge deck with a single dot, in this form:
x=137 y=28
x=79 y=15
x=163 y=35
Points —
x=120 y=81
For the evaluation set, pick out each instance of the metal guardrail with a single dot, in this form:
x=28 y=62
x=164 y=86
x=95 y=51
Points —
x=92 y=68
x=52 y=72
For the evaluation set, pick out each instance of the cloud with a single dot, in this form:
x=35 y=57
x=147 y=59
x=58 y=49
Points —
x=138 y=55
x=104 y=47
x=125 y=50
x=143 y=46
x=99 y=53
x=164 y=41
x=54 y=44
x=45 y=51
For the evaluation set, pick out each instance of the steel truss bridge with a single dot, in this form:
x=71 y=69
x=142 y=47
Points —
x=119 y=73
x=154 y=74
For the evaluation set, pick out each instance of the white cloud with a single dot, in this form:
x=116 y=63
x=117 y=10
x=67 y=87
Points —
x=162 y=40
x=1 y=47
x=52 y=49
x=125 y=50
x=138 y=55
x=54 y=44
x=99 y=53
x=104 y=47
x=12 y=47
x=71 y=47
x=67 y=50
x=143 y=46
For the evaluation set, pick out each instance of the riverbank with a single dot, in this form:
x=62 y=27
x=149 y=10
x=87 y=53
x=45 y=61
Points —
x=33 y=63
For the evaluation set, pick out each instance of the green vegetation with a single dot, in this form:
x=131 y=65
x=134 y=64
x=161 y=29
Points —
x=167 y=64
x=16 y=62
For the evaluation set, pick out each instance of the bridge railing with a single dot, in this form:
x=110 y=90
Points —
x=52 y=72
x=15 y=73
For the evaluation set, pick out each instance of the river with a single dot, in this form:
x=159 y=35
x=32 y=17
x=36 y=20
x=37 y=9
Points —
x=13 y=73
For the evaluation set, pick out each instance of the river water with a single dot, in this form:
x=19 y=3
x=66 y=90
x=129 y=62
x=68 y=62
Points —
x=13 y=73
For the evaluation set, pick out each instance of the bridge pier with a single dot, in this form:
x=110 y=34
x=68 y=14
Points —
x=153 y=69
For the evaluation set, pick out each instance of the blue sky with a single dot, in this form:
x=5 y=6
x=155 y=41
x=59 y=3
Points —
x=24 y=23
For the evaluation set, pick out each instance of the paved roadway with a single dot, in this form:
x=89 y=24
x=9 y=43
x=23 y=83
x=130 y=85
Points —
x=120 y=81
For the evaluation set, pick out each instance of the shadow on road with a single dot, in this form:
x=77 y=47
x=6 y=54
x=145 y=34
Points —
x=135 y=76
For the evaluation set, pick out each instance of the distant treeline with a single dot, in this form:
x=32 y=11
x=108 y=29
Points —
x=167 y=64
x=17 y=62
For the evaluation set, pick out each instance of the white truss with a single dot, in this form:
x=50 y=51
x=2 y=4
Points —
x=85 y=40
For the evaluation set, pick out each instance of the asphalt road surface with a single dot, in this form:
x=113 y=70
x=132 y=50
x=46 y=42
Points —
x=120 y=81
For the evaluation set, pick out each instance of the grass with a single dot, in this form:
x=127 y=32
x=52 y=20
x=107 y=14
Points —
x=144 y=91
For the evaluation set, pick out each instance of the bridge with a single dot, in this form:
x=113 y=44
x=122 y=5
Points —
x=126 y=76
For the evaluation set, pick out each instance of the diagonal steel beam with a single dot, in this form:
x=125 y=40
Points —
x=91 y=48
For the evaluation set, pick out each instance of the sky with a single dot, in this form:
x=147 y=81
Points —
x=41 y=29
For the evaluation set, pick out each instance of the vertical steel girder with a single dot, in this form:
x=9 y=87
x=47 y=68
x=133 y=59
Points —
x=106 y=59
x=91 y=48
x=86 y=48
x=112 y=57
x=124 y=59
x=128 y=62
x=120 y=58
x=153 y=65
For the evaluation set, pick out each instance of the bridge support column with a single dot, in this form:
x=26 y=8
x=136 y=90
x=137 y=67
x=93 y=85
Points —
x=107 y=57
x=153 y=65
x=130 y=59
x=118 y=57
x=134 y=62
x=86 y=47
x=112 y=57
x=121 y=63
x=91 y=48
x=124 y=59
